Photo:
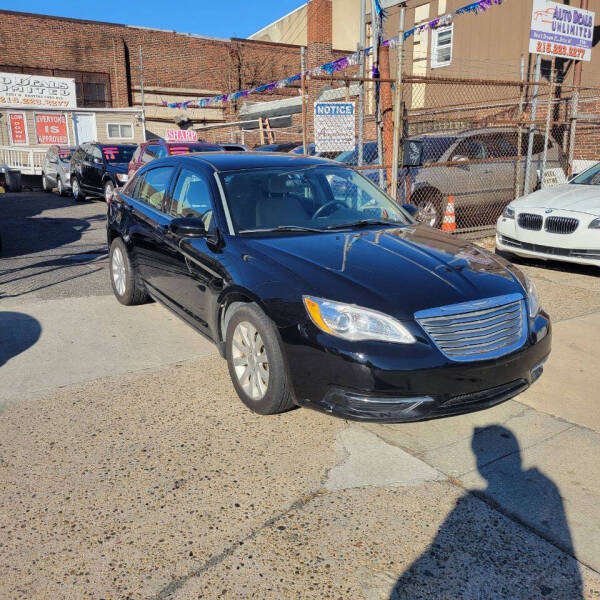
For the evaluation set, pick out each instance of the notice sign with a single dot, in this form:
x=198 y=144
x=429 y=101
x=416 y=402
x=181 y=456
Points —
x=51 y=129
x=561 y=30
x=17 y=128
x=335 y=126
x=17 y=89
x=181 y=135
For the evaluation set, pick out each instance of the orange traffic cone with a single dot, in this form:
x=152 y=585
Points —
x=449 y=223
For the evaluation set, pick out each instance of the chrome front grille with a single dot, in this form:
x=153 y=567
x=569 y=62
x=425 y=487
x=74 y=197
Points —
x=561 y=225
x=477 y=330
x=530 y=221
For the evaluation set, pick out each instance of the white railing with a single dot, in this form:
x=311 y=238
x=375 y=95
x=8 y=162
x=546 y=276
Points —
x=28 y=160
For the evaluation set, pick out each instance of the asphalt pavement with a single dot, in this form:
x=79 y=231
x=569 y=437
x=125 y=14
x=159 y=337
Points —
x=129 y=468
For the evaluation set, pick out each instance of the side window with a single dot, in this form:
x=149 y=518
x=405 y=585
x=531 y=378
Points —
x=153 y=186
x=95 y=152
x=192 y=198
x=153 y=151
x=472 y=148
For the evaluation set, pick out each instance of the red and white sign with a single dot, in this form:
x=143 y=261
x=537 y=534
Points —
x=18 y=128
x=51 y=129
x=181 y=135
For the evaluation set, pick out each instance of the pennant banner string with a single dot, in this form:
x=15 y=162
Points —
x=341 y=63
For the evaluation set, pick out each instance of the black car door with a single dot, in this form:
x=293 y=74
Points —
x=147 y=223
x=96 y=169
x=196 y=274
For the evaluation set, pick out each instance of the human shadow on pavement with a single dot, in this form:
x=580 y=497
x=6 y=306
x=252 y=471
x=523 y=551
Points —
x=479 y=553
x=18 y=332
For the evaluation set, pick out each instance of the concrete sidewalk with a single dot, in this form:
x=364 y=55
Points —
x=49 y=344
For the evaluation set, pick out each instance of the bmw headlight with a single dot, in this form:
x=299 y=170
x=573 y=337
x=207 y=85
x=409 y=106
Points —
x=595 y=224
x=508 y=213
x=355 y=323
x=533 y=298
x=122 y=177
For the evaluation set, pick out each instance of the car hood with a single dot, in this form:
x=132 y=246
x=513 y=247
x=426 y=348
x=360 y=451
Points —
x=577 y=198
x=394 y=270
x=117 y=167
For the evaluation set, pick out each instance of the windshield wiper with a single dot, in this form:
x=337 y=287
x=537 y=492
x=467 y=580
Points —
x=365 y=223
x=284 y=228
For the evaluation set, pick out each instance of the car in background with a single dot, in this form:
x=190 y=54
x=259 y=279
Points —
x=477 y=167
x=98 y=169
x=555 y=223
x=148 y=151
x=56 y=169
x=229 y=147
x=279 y=147
x=346 y=305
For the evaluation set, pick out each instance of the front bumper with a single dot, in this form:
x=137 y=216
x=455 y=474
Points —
x=397 y=383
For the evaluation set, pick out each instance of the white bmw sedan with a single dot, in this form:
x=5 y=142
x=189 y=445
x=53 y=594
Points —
x=558 y=223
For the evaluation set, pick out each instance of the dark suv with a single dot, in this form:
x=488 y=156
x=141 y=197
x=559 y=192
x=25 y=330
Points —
x=97 y=169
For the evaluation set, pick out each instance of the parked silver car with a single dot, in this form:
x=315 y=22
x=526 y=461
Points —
x=56 y=170
x=479 y=168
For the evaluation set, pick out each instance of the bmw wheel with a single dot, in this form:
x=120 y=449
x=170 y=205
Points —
x=256 y=364
x=124 y=279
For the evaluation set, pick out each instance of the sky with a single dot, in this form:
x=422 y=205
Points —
x=220 y=18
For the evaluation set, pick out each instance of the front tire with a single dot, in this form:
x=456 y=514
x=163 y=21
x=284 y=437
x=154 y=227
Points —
x=76 y=190
x=109 y=190
x=60 y=188
x=45 y=185
x=256 y=364
x=124 y=279
x=429 y=207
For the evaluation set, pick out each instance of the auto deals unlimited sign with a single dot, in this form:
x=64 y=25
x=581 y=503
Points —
x=561 y=30
x=334 y=126
x=37 y=91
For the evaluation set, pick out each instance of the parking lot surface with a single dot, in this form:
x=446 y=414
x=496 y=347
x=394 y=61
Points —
x=130 y=469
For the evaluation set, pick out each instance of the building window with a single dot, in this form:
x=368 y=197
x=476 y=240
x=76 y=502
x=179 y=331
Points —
x=441 y=47
x=123 y=131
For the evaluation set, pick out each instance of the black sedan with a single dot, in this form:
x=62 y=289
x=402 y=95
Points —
x=320 y=291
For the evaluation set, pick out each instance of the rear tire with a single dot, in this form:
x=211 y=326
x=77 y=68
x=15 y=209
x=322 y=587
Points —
x=256 y=363
x=60 y=188
x=125 y=281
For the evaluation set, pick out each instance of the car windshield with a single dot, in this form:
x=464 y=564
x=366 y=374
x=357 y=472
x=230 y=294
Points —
x=314 y=198
x=589 y=177
x=118 y=154
x=189 y=148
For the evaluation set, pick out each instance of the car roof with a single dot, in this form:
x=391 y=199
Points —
x=238 y=161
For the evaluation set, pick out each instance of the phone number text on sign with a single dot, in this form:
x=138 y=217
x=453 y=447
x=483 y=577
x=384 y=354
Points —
x=560 y=50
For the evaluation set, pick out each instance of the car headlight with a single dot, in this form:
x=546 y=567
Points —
x=508 y=212
x=122 y=177
x=533 y=298
x=355 y=323
x=595 y=224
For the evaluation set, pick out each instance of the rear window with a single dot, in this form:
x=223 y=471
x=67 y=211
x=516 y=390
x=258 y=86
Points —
x=118 y=154
x=189 y=148
x=65 y=154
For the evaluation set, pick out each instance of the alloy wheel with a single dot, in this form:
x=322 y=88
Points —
x=75 y=188
x=109 y=190
x=250 y=360
x=119 y=273
x=59 y=186
x=44 y=183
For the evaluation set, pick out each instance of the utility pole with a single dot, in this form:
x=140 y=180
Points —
x=575 y=102
x=303 y=81
x=361 y=88
x=142 y=93
x=397 y=157
x=375 y=22
x=534 y=101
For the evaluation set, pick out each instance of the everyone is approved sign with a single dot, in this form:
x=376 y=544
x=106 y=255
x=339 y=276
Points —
x=561 y=30
x=335 y=126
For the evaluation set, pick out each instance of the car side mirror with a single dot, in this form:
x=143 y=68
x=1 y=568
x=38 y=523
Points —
x=460 y=158
x=188 y=227
x=411 y=209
